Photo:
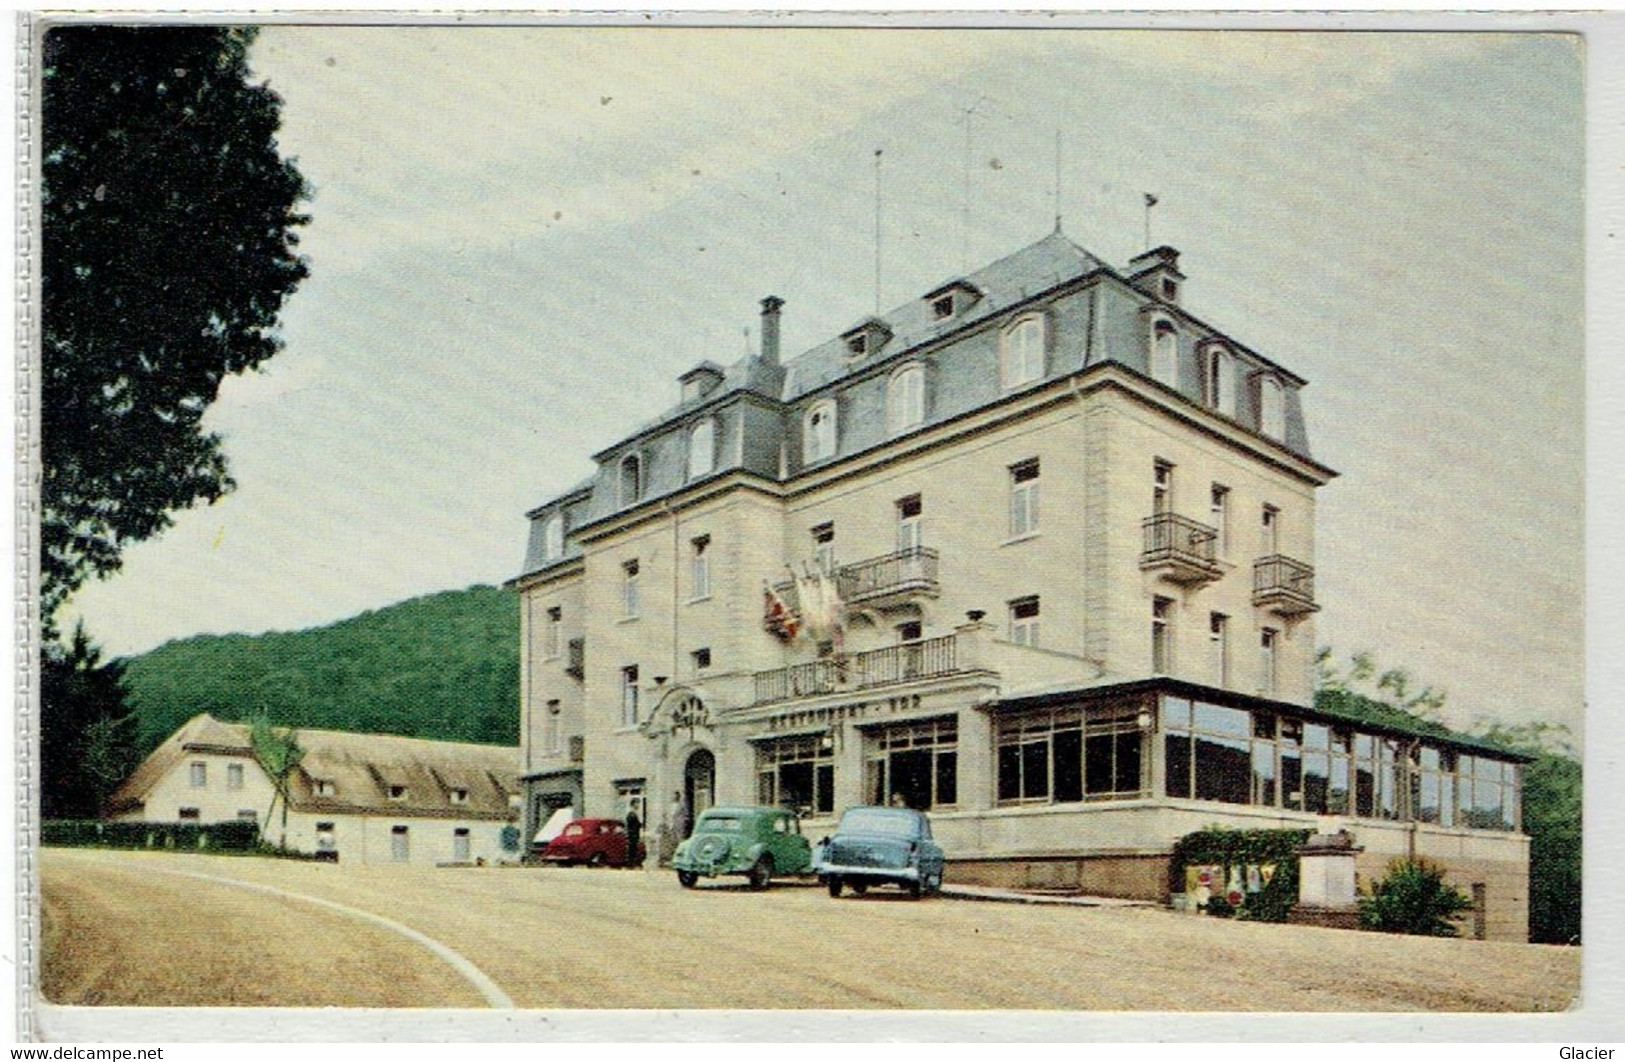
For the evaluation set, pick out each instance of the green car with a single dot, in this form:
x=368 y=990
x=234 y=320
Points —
x=756 y=842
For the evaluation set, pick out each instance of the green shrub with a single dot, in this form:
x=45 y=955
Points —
x=234 y=836
x=1228 y=848
x=1413 y=899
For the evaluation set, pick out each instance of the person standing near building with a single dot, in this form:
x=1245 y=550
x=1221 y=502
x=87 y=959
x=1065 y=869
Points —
x=634 y=836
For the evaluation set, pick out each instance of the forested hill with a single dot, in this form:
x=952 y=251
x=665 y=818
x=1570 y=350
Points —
x=444 y=666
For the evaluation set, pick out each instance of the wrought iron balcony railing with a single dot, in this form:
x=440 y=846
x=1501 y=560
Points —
x=859 y=671
x=1284 y=585
x=1179 y=548
x=902 y=574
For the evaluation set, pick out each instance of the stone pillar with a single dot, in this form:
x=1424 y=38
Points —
x=971 y=648
x=1326 y=895
x=975 y=759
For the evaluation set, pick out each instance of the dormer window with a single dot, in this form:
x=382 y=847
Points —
x=1170 y=290
x=459 y=796
x=1219 y=379
x=905 y=399
x=397 y=792
x=950 y=299
x=1021 y=354
x=1164 y=351
x=702 y=448
x=867 y=338
x=631 y=479
x=553 y=537
x=1271 y=407
x=325 y=788
x=818 y=441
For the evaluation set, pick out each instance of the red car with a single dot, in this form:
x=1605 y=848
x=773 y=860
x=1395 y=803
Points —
x=595 y=842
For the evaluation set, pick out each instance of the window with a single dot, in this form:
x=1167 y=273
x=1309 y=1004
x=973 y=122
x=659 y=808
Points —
x=1219 y=517
x=942 y=306
x=1162 y=488
x=553 y=538
x=915 y=764
x=325 y=788
x=1271 y=410
x=553 y=632
x=1024 y=498
x=909 y=511
x=818 y=441
x=1164 y=352
x=459 y=795
x=629 y=588
x=397 y=792
x=1022 y=356
x=699 y=567
x=1071 y=753
x=1024 y=621
x=1270 y=526
x=630 y=796
x=200 y=775
x=190 y=814
x=1162 y=642
x=823 y=537
x=1170 y=290
x=631 y=479
x=247 y=815
x=550 y=726
x=797 y=773
x=857 y=345
x=460 y=845
x=400 y=845
x=701 y=658
x=1220 y=378
x=905 y=399
x=629 y=696
x=1266 y=660
x=1218 y=643
x=702 y=448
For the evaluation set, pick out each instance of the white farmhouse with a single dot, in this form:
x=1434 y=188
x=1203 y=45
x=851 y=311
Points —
x=368 y=798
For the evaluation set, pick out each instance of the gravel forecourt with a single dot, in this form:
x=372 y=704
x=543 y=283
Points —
x=138 y=928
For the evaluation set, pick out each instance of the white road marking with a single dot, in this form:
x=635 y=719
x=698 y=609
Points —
x=494 y=995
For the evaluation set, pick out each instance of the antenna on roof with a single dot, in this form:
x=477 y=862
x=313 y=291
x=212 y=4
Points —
x=964 y=248
x=877 y=231
x=1150 y=201
x=1057 y=180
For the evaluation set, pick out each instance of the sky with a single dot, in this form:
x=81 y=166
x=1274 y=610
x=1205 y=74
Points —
x=520 y=237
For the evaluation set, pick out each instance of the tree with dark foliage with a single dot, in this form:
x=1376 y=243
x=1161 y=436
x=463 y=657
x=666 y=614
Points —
x=168 y=247
x=87 y=734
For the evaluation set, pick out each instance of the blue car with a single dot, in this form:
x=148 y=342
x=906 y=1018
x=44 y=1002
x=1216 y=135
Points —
x=880 y=846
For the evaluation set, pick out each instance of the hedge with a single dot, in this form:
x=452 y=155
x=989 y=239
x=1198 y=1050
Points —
x=234 y=836
x=1228 y=848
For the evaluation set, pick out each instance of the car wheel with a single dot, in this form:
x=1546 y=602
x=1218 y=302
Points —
x=933 y=884
x=687 y=878
x=913 y=888
x=860 y=887
x=761 y=873
x=597 y=859
x=834 y=885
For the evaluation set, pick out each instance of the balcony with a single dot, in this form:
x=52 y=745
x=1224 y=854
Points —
x=1179 y=549
x=1284 y=586
x=879 y=582
x=576 y=665
x=860 y=671
x=895 y=579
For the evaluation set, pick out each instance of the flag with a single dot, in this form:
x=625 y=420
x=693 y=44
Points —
x=777 y=617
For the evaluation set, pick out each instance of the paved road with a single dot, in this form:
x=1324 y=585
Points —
x=174 y=930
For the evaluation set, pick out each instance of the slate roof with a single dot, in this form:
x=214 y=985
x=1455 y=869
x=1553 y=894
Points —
x=360 y=767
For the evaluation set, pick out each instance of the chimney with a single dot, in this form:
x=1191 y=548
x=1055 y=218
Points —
x=770 y=329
